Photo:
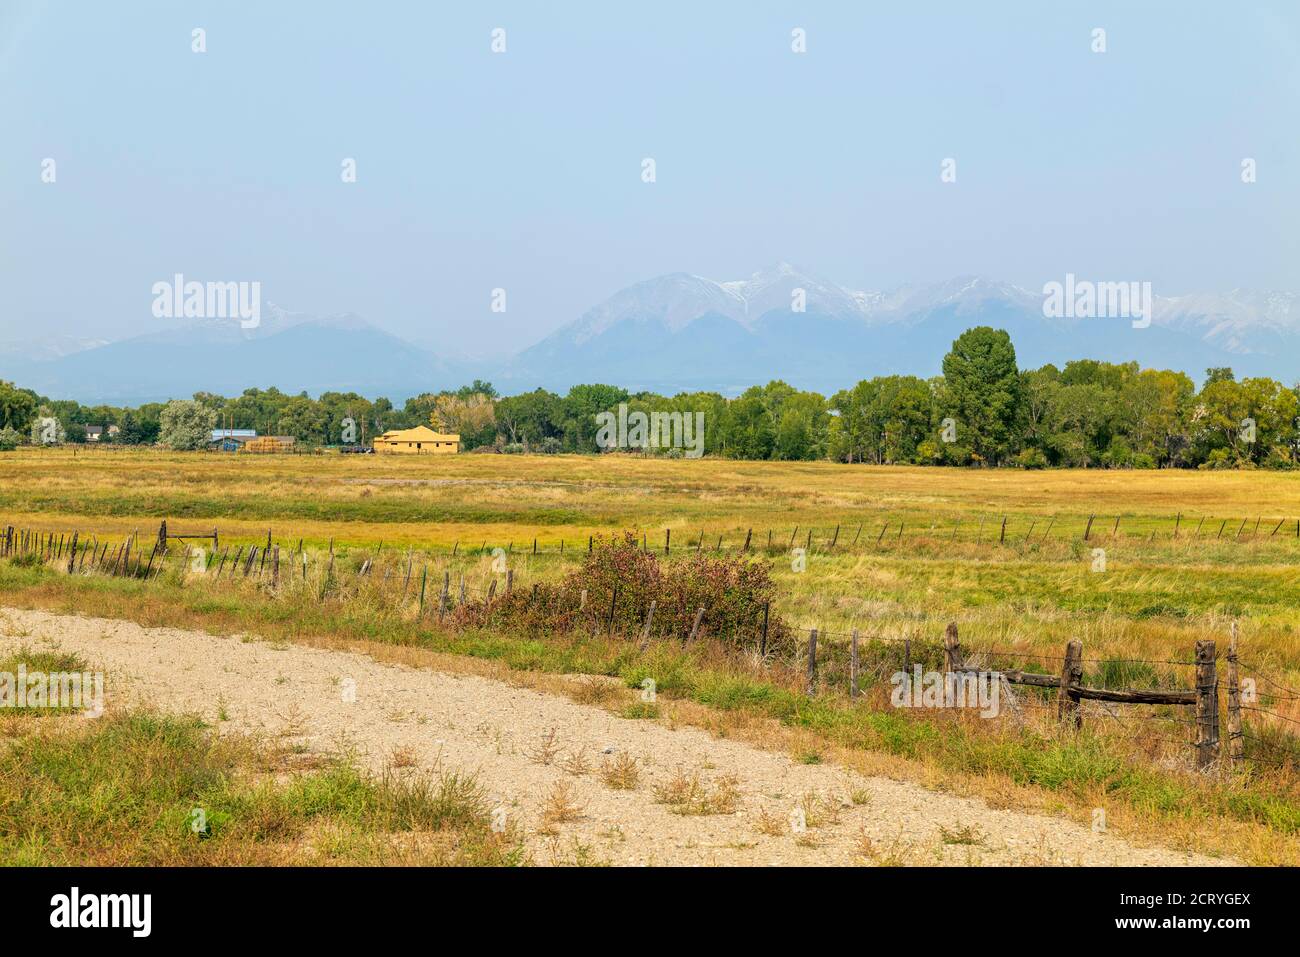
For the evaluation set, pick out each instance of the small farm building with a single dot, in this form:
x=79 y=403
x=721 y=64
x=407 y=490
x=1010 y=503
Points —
x=420 y=440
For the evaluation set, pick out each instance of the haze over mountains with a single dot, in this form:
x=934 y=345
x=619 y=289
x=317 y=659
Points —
x=672 y=333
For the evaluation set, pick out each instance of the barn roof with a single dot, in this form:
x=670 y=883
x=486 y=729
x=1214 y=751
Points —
x=421 y=433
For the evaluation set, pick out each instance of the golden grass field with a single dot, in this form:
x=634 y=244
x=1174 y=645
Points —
x=916 y=549
x=916 y=546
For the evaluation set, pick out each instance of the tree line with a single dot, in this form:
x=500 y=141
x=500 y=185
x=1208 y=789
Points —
x=982 y=410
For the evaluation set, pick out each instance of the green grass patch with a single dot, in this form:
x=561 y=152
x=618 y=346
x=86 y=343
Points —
x=145 y=789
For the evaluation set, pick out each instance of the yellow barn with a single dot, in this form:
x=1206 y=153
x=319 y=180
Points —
x=420 y=440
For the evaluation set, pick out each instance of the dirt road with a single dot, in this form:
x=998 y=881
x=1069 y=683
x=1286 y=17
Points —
x=324 y=700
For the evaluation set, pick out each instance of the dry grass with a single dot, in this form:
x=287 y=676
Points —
x=721 y=496
x=965 y=834
x=689 y=793
x=620 y=773
x=576 y=762
x=819 y=810
x=897 y=853
x=596 y=690
x=1023 y=594
x=403 y=758
x=547 y=749
x=770 y=823
x=561 y=807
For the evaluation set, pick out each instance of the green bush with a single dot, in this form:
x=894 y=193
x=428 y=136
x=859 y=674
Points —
x=621 y=579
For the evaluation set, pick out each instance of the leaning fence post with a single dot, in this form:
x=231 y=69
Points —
x=853 y=665
x=1207 y=705
x=812 y=662
x=649 y=620
x=1067 y=701
x=952 y=656
x=1236 y=743
x=695 y=626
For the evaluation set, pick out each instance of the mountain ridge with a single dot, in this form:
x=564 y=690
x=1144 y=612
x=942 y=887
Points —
x=675 y=332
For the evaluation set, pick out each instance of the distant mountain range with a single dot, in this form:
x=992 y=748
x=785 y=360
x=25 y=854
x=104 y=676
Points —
x=672 y=333
x=291 y=351
x=684 y=331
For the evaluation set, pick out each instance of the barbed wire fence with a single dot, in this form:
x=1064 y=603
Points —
x=1199 y=694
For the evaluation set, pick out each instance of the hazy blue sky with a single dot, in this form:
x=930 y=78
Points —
x=522 y=170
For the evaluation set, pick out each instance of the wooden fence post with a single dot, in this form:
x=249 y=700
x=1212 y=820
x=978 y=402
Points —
x=853 y=664
x=812 y=662
x=1207 y=705
x=649 y=621
x=695 y=627
x=1067 y=701
x=762 y=642
x=1236 y=743
x=952 y=656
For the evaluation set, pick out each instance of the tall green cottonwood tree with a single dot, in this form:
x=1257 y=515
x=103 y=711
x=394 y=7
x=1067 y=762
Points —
x=984 y=390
